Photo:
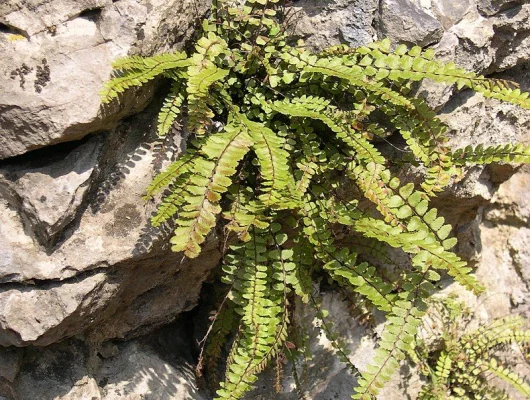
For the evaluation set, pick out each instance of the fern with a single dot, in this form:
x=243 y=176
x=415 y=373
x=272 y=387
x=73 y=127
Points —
x=464 y=367
x=136 y=71
x=285 y=175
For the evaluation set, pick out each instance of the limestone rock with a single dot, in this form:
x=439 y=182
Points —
x=49 y=189
x=403 y=22
x=491 y=7
x=10 y=362
x=483 y=45
x=89 y=280
x=51 y=311
x=60 y=55
x=72 y=370
x=324 y=24
x=137 y=370
x=448 y=12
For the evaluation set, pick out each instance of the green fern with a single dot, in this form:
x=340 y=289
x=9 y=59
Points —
x=466 y=363
x=285 y=176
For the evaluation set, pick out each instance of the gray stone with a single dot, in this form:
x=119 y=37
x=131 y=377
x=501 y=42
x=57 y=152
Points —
x=89 y=281
x=492 y=7
x=482 y=45
x=403 y=22
x=327 y=23
x=511 y=43
x=140 y=372
x=49 y=189
x=10 y=362
x=51 y=312
x=450 y=12
x=72 y=370
x=60 y=55
x=56 y=372
x=511 y=203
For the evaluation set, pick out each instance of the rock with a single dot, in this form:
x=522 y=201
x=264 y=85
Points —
x=511 y=43
x=402 y=22
x=511 y=204
x=88 y=282
x=483 y=45
x=10 y=362
x=49 y=189
x=449 y=12
x=60 y=55
x=71 y=370
x=492 y=7
x=324 y=24
x=56 y=372
x=473 y=120
x=139 y=371
x=51 y=312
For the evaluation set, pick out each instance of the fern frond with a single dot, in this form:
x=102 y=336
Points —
x=396 y=340
x=177 y=168
x=171 y=108
x=273 y=160
x=222 y=327
x=138 y=70
x=341 y=265
x=259 y=295
x=202 y=74
x=416 y=65
x=158 y=62
x=210 y=178
x=171 y=203
x=507 y=153
x=510 y=377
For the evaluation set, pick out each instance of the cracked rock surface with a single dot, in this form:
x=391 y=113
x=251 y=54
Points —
x=60 y=54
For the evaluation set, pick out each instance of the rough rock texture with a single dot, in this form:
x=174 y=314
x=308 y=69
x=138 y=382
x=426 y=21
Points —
x=132 y=370
x=84 y=279
x=404 y=22
x=327 y=23
x=60 y=54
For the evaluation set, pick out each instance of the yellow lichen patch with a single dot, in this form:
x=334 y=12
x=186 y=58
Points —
x=15 y=37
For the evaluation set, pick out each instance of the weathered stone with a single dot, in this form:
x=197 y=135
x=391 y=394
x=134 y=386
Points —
x=492 y=7
x=403 y=22
x=511 y=43
x=10 y=361
x=473 y=120
x=89 y=281
x=156 y=367
x=48 y=190
x=448 y=12
x=482 y=45
x=324 y=24
x=57 y=372
x=139 y=371
x=58 y=65
x=51 y=312
x=511 y=203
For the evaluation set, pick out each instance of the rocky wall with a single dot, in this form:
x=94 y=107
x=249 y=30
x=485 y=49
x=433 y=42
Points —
x=92 y=303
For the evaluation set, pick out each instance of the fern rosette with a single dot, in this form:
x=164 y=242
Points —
x=297 y=127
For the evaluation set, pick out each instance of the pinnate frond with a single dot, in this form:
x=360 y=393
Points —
x=210 y=173
x=136 y=71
